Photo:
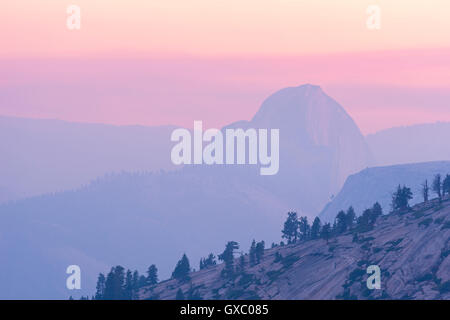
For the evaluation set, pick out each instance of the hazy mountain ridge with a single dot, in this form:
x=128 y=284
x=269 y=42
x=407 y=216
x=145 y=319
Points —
x=320 y=145
x=124 y=217
x=44 y=156
x=411 y=144
x=320 y=122
x=127 y=218
x=411 y=249
x=364 y=188
x=41 y=156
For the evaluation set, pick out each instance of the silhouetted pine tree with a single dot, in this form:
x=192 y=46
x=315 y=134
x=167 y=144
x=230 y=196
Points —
x=228 y=258
x=326 y=230
x=259 y=251
x=114 y=284
x=128 y=286
x=315 y=229
x=100 y=292
x=135 y=283
x=242 y=263
x=350 y=218
x=290 y=230
x=182 y=269
x=400 y=198
x=208 y=262
x=152 y=275
x=437 y=186
x=142 y=281
x=377 y=211
x=425 y=191
x=364 y=221
x=341 y=222
x=252 y=253
x=303 y=228
x=446 y=185
x=136 y=279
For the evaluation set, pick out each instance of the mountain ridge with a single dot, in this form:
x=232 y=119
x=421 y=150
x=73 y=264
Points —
x=373 y=184
x=125 y=213
x=411 y=248
x=410 y=144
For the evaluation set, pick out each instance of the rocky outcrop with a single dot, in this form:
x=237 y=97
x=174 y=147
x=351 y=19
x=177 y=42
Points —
x=411 y=248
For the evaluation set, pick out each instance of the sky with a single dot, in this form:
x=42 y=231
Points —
x=174 y=61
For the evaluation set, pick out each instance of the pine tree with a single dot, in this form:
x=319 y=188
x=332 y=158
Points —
x=341 y=222
x=400 y=198
x=252 y=253
x=446 y=185
x=242 y=263
x=182 y=269
x=315 y=229
x=128 y=286
x=326 y=230
x=211 y=260
x=100 y=292
x=290 y=230
x=304 y=228
x=135 y=284
x=208 y=262
x=228 y=258
x=437 y=186
x=425 y=191
x=259 y=251
x=377 y=211
x=135 y=280
x=350 y=218
x=114 y=284
x=152 y=275
x=142 y=281
x=364 y=221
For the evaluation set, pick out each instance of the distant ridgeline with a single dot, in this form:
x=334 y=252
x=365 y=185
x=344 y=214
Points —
x=422 y=231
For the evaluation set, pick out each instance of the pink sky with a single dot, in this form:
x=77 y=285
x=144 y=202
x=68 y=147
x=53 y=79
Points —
x=160 y=62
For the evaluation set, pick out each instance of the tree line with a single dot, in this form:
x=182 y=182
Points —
x=125 y=285
x=298 y=229
x=440 y=186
